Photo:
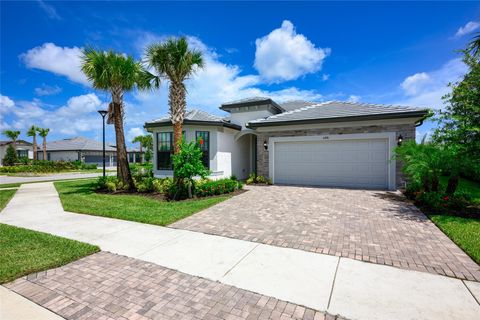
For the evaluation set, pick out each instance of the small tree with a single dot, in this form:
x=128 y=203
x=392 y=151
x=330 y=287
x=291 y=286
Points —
x=43 y=132
x=12 y=135
x=187 y=164
x=10 y=156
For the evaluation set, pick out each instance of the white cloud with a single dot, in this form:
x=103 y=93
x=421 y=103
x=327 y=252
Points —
x=5 y=103
x=468 y=28
x=46 y=90
x=284 y=54
x=426 y=89
x=413 y=84
x=49 y=10
x=353 y=98
x=325 y=77
x=134 y=132
x=78 y=115
x=63 y=61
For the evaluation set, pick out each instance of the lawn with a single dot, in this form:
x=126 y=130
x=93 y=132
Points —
x=5 y=196
x=465 y=232
x=26 y=251
x=79 y=196
x=10 y=185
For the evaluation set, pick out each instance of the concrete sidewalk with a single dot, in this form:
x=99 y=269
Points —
x=352 y=289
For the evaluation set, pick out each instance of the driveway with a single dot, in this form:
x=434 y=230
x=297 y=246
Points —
x=373 y=226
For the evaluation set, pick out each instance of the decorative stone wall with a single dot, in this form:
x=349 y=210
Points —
x=406 y=130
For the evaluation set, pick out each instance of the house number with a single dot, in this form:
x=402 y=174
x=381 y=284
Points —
x=325 y=138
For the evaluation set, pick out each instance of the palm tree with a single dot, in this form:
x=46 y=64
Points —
x=43 y=132
x=117 y=73
x=32 y=132
x=174 y=61
x=12 y=135
x=142 y=142
x=474 y=46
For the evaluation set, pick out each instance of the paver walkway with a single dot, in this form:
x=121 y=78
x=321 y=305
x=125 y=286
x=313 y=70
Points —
x=108 y=286
x=374 y=226
x=350 y=288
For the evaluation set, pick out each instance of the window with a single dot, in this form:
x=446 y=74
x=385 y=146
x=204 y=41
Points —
x=22 y=153
x=164 y=150
x=203 y=138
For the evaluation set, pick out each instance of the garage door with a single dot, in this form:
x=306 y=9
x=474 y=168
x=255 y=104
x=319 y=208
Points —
x=335 y=163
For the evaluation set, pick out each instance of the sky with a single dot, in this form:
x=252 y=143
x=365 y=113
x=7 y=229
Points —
x=372 y=52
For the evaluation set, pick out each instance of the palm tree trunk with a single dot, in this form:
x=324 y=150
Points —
x=177 y=103
x=35 y=156
x=123 y=170
x=44 y=148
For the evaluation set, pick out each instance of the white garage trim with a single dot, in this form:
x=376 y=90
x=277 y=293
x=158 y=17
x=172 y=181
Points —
x=390 y=136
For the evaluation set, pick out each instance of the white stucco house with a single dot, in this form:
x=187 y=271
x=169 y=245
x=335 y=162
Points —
x=334 y=144
x=24 y=149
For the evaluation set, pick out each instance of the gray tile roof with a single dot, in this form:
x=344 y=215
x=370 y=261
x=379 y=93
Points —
x=77 y=143
x=193 y=115
x=19 y=142
x=247 y=100
x=296 y=104
x=335 y=110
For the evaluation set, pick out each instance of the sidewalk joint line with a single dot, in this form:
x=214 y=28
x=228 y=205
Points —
x=333 y=284
x=475 y=298
x=241 y=259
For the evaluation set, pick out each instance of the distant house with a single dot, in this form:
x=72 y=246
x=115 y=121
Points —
x=79 y=148
x=24 y=149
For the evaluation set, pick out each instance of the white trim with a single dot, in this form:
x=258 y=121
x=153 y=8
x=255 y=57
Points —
x=390 y=136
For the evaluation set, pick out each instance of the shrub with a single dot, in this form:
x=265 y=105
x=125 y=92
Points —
x=251 y=178
x=107 y=183
x=258 y=179
x=162 y=185
x=111 y=186
x=439 y=203
x=10 y=156
x=217 y=187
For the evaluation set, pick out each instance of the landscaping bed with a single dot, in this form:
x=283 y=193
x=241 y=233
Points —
x=26 y=251
x=33 y=167
x=82 y=197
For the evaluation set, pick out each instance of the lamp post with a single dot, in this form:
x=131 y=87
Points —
x=103 y=113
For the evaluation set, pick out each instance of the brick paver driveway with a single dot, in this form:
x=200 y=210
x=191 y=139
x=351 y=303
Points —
x=105 y=286
x=375 y=226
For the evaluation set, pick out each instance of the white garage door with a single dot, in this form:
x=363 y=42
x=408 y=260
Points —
x=335 y=163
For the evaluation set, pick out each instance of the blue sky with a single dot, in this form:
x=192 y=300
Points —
x=389 y=53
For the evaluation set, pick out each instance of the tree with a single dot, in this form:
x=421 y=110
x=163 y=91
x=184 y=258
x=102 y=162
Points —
x=11 y=156
x=43 y=132
x=12 y=135
x=146 y=142
x=460 y=119
x=116 y=73
x=174 y=61
x=474 y=46
x=32 y=132
x=187 y=164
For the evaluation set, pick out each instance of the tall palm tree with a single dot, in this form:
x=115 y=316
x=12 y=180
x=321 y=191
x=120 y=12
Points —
x=474 y=45
x=12 y=135
x=174 y=61
x=116 y=73
x=43 y=132
x=32 y=132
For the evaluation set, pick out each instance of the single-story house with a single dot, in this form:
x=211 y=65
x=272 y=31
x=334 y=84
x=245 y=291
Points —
x=79 y=148
x=24 y=149
x=332 y=144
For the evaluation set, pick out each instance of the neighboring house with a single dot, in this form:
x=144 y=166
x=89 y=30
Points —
x=79 y=148
x=24 y=149
x=333 y=144
x=135 y=156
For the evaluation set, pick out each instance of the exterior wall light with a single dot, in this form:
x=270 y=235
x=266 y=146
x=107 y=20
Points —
x=265 y=145
x=399 y=140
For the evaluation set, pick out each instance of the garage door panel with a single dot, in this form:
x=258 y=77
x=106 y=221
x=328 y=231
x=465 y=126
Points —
x=343 y=163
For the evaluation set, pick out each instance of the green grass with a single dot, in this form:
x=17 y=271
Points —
x=464 y=185
x=25 y=251
x=5 y=196
x=10 y=185
x=465 y=232
x=79 y=196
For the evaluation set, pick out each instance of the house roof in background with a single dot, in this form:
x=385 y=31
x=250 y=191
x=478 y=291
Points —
x=194 y=116
x=338 y=111
x=254 y=101
x=5 y=142
x=77 y=144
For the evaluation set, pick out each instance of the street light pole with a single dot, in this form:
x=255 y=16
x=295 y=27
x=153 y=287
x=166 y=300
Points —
x=103 y=113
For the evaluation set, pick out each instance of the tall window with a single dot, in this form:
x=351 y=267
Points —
x=203 y=139
x=164 y=150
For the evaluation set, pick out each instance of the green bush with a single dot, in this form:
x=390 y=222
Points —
x=106 y=183
x=45 y=166
x=145 y=185
x=10 y=156
x=216 y=187
x=162 y=185
x=111 y=186
x=252 y=179
x=439 y=203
